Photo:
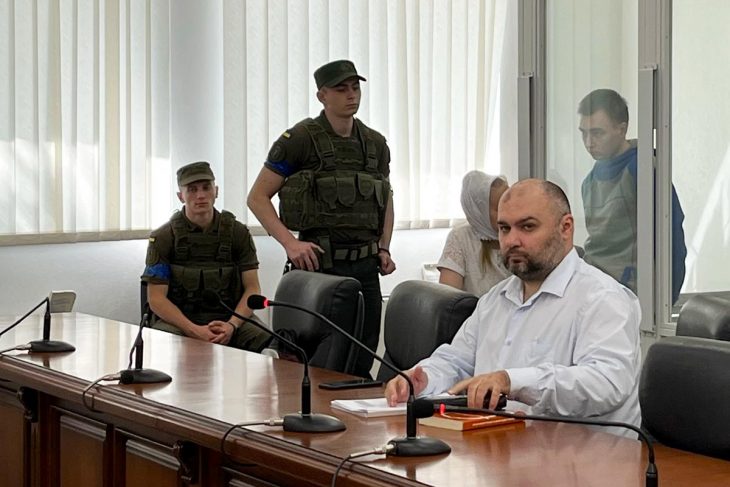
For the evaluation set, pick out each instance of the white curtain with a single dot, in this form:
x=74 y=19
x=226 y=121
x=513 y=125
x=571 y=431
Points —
x=89 y=109
x=84 y=124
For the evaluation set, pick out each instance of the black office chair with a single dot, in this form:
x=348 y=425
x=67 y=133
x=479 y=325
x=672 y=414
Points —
x=339 y=299
x=705 y=316
x=419 y=317
x=685 y=394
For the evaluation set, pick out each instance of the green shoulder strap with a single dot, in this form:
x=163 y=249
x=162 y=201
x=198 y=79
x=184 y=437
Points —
x=225 y=236
x=368 y=143
x=179 y=232
x=322 y=144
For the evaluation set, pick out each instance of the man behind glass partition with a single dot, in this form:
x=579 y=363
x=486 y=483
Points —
x=609 y=193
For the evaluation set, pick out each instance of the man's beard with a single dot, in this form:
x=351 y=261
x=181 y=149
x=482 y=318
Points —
x=536 y=268
x=529 y=270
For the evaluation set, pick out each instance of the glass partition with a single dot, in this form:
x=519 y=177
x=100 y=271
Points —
x=593 y=45
x=701 y=138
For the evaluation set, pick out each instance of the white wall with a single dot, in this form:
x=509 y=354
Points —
x=105 y=275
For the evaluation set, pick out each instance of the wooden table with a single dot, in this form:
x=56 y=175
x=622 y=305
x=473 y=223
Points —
x=169 y=434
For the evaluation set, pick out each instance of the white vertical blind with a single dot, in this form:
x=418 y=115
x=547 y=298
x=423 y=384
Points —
x=88 y=109
x=84 y=124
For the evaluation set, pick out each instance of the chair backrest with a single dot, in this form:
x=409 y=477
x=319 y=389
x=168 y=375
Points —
x=336 y=297
x=685 y=394
x=419 y=317
x=705 y=316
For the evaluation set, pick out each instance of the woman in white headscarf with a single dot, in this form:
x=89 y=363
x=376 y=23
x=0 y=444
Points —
x=470 y=260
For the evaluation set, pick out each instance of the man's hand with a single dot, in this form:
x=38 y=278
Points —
x=397 y=389
x=477 y=387
x=200 y=333
x=222 y=330
x=387 y=265
x=304 y=255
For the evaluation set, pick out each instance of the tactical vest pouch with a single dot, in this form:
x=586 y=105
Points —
x=346 y=191
x=366 y=185
x=296 y=201
x=212 y=280
x=348 y=201
x=190 y=279
x=352 y=201
x=327 y=191
x=184 y=284
x=382 y=194
x=350 y=194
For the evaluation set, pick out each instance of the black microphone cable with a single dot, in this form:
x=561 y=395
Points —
x=410 y=445
x=103 y=378
x=268 y=422
x=17 y=322
x=652 y=474
x=143 y=322
x=381 y=450
x=17 y=347
x=305 y=421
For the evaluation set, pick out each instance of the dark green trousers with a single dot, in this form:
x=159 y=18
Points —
x=246 y=336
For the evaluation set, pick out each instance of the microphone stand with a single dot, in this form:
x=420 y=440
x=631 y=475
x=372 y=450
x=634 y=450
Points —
x=138 y=374
x=410 y=445
x=304 y=421
x=46 y=345
x=652 y=474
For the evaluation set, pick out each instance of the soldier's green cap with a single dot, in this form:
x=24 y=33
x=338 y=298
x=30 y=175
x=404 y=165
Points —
x=195 y=171
x=334 y=73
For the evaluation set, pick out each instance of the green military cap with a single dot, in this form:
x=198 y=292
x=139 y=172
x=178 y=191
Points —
x=334 y=73
x=195 y=171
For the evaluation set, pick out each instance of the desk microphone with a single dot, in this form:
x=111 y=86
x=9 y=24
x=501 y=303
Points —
x=410 y=445
x=60 y=301
x=652 y=474
x=138 y=374
x=305 y=421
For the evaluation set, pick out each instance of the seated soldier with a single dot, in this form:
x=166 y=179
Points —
x=201 y=248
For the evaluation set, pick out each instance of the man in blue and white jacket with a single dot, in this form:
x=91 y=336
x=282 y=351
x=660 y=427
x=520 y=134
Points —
x=609 y=193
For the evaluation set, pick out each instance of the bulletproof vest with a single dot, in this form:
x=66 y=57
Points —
x=203 y=261
x=345 y=191
x=610 y=212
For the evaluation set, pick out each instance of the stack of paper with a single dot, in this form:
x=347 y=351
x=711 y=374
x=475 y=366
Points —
x=369 y=408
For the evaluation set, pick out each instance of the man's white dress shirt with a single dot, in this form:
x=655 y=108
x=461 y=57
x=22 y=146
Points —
x=572 y=349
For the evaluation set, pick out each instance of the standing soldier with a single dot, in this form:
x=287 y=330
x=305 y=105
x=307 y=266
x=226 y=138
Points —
x=331 y=174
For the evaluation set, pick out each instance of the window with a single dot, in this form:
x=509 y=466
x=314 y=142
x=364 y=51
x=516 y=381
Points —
x=99 y=105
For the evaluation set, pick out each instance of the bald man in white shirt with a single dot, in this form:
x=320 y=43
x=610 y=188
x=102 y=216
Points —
x=559 y=336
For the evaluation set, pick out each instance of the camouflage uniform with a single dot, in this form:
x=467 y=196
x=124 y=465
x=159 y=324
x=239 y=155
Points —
x=190 y=259
x=335 y=194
